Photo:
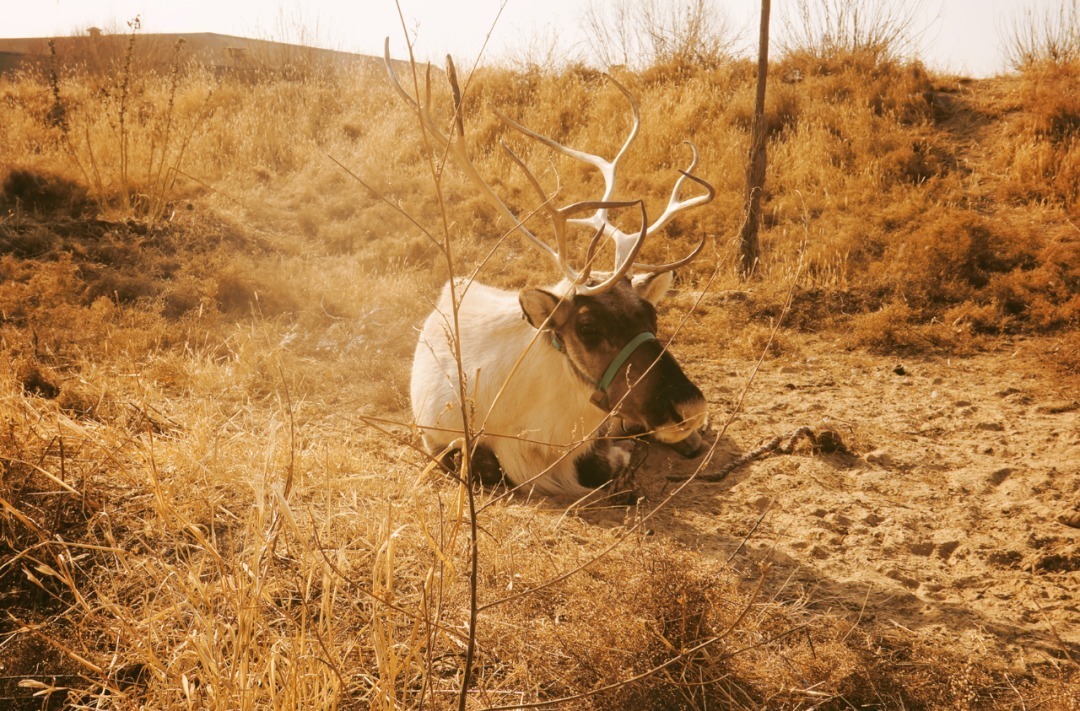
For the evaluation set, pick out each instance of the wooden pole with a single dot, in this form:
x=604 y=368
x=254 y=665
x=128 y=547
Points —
x=749 y=250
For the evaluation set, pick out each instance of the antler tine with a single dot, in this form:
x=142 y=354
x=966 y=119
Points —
x=627 y=246
x=675 y=205
x=620 y=268
x=590 y=158
x=558 y=221
x=590 y=253
x=608 y=169
x=560 y=216
x=677 y=264
x=457 y=149
x=604 y=228
x=425 y=117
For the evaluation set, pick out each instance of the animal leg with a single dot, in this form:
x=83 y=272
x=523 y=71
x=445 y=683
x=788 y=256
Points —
x=485 y=465
x=614 y=461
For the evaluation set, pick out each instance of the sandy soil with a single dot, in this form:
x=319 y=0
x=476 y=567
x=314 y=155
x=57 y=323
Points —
x=954 y=516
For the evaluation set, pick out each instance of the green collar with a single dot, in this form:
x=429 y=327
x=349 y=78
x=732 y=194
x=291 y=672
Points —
x=600 y=397
x=624 y=355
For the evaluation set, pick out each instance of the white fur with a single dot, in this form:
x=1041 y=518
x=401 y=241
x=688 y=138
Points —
x=540 y=422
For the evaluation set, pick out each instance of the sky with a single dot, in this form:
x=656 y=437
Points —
x=964 y=36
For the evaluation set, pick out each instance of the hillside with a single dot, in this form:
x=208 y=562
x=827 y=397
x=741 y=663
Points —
x=212 y=495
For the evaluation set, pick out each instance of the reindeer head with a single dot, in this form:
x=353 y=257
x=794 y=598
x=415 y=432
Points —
x=609 y=341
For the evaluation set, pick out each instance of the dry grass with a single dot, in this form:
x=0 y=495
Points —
x=193 y=511
x=1049 y=37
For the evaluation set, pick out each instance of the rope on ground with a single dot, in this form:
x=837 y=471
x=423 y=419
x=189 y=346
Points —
x=827 y=441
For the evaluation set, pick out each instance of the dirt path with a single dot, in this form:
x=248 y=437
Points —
x=950 y=518
x=970 y=117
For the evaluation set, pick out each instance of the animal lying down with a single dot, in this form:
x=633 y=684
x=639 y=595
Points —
x=556 y=378
x=537 y=373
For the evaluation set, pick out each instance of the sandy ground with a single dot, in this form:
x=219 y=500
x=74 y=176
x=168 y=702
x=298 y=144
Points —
x=955 y=515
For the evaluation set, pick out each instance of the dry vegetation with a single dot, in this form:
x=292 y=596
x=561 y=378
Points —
x=200 y=312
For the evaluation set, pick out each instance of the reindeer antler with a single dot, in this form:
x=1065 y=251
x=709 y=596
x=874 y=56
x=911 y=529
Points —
x=457 y=150
x=627 y=246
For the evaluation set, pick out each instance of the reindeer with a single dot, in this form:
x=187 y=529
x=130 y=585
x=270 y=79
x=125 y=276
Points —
x=558 y=378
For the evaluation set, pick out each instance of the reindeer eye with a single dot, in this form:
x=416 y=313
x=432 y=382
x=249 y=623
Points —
x=588 y=332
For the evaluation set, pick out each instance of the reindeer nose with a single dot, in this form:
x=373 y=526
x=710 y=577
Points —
x=682 y=422
x=692 y=413
x=691 y=446
x=686 y=433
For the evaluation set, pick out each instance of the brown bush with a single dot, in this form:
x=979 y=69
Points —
x=42 y=194
x=1041 y=152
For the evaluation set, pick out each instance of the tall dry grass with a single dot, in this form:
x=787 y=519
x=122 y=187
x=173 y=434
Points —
x=195 y=510
x=830 y=29
x=1048 y=37
x=657 y=32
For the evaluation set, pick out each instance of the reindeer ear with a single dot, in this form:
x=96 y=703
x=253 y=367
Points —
x=537 y=305
x=653 y=287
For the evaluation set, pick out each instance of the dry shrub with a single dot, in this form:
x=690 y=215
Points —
x=181 y=297
x=1044 y=297
x=243 y=287
x=121 y=288
x=1038 y=152
x=782 y=110
x=30 y=191
x=761 y=340
x=837 y=28
x=119 y=127
x=997 y=275
x=886 y=86
x=1052 y=102
x=1041 y=172
x=947 y=258
x=656 y=33
x=1051 y=36
x=916 y=162
x=896 y=329
x=36 y=380
x=27 y=243
x=1041 y=153
x=620 y=619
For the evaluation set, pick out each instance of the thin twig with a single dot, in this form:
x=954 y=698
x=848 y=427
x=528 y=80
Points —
x=750 y=533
